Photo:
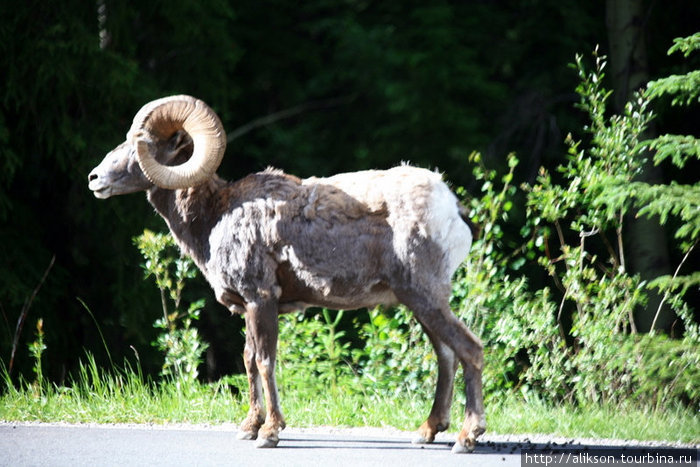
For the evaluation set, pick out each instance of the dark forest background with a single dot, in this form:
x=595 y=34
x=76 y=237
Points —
x=313 y=88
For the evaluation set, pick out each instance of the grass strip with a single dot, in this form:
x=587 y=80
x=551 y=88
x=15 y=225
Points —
x=125 y=397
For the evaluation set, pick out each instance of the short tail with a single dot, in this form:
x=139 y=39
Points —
x=464 y=214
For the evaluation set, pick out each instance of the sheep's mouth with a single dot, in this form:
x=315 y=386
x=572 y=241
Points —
x=101 y=192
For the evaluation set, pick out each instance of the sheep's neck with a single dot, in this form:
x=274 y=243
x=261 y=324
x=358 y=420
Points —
x=190 y=214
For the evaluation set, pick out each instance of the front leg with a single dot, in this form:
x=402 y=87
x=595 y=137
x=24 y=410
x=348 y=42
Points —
x=262 y=323
x=256 y=413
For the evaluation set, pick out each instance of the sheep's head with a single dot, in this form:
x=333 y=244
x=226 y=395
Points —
x=174 y=143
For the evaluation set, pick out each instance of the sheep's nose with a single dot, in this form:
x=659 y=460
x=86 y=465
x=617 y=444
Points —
x=92 y=176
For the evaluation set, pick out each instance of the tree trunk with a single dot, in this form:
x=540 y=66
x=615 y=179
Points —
x=647 y=250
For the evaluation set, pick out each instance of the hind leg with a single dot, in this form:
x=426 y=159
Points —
x=439 y=418
x=432 y=310
x=474 y=419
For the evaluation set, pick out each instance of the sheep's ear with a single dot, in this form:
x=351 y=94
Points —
x=179 y=141
x=180 y=144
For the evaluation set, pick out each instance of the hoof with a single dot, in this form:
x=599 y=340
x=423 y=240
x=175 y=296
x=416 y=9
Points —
x=460 y=449
x=264 y=443
x=420 y=439
x=247 y=435
x=426 y=432
x=474 y=426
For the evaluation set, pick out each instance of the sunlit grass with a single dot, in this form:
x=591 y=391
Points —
x=624 y=421
x=119 y=397
x=124 y=396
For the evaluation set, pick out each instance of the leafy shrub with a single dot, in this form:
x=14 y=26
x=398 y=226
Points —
x=37 y=348
x=311 y=355
x=179 y=340
x=572 y=339
x=397 y=357
x=575 y=339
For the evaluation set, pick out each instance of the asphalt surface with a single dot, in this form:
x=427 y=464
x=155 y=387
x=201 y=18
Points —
x=126 y=445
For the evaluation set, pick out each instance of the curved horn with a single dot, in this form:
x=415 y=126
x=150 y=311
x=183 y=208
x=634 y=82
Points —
x=160 y=119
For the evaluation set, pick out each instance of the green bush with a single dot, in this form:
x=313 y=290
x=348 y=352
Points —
x=311 y=354
x=397 y=357
x=179 y=340
x=573 y=340
x=576 y=341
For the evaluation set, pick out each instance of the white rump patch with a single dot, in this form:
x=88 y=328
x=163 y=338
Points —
x=446 y=226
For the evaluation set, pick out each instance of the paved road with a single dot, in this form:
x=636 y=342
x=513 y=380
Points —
x=100 y=445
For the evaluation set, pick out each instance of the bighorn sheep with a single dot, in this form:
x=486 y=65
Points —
x=272 y=243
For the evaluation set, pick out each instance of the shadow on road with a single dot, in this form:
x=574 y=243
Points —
x=565 y=450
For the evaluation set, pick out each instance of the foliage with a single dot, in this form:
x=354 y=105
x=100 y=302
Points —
x=577 y=346
x=123 y=395
x=117 y=395
x=482 y=285
x=311 y=354
x=589 y=270
x=36 y=349
x=66 y=99
x=440 y=79
x=602 y=361
x=571 y=340
x=686 y=88
x=178 y=339
x=685 y=44
x=574 y=340
x=396 y=356
x=674 y=200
